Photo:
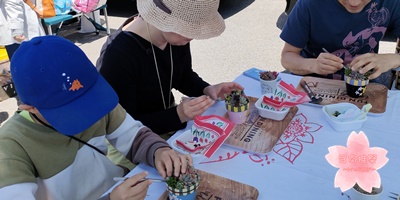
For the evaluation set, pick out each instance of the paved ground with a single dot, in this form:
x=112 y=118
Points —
x=251 y=39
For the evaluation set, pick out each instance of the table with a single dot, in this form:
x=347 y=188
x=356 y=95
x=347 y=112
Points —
x=298 y=168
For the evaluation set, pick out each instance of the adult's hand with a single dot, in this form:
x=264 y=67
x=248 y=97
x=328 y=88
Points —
x=168 y=161
x=218 y=90
x=324 y=64
x=189 y=108
x=20 y=38
x=378 y=63
x=132 y=188
x=327 y=63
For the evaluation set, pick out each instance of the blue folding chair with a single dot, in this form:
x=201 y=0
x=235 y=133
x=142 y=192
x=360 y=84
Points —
x=60 y=19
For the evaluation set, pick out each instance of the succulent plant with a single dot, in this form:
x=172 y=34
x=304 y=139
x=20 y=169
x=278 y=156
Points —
x=374 y=190
x=268 y=75
x=237 y=98
x=355 y=74
x=184 y=180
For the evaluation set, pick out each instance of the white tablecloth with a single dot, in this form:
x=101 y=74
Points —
x=297 y=168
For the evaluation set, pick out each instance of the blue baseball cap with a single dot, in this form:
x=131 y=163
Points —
x=55 y=76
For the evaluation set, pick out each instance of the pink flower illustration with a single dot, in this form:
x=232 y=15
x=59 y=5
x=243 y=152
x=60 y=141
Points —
x=357 y=163
x=290 y=145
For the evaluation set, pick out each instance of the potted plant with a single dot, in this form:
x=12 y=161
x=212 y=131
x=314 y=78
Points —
x=185 y=186
x=268 y=81
x=356 y=82
x=357 y=193
x=7 y=84
x=237 y=105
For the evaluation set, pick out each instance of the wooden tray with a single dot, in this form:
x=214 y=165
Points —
x=216 y=187
x=334 y=91
x=257 y=134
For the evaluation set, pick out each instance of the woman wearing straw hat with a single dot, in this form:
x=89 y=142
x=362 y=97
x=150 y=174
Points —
x=150 y=54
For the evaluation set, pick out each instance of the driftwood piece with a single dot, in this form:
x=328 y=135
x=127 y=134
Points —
x=334 y=91
x=258 y=135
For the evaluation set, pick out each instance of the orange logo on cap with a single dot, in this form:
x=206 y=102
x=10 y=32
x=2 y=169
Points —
x=76 y=85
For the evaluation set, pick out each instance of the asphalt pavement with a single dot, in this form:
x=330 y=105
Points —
x=251 y=39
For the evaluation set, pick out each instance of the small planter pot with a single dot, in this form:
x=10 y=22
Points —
x=268 y=86
x=357 y=195
x=355 y=88
x=237 y=115
x=9 y=89
x=187 y=193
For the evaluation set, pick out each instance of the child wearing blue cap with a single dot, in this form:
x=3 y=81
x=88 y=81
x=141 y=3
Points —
x=54 y=148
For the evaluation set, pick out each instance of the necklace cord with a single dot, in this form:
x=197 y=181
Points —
x=158 y=74
x=73 y=137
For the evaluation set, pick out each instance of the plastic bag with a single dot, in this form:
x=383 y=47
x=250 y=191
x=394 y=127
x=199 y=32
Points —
x=62 y=7
x=86 y=6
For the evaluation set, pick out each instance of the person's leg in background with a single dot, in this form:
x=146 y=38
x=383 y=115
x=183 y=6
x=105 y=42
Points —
x=11 y=49
x=10 y=52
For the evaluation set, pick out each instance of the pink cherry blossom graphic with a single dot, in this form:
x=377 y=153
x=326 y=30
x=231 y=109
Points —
x=357 y=163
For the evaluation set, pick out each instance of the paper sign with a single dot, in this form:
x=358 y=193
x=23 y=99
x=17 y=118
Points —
x=285 y=97
x=357 y=163
x=207 y=135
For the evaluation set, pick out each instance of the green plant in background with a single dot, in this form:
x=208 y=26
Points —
x=237 y=98
x=184 y=180
x=355 y=74
x=268 y=75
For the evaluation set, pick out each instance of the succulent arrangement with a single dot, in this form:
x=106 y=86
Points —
x=374 y=190
x=268 y=75
x=237 y=98
x=356 y=82
x=185 y=180
x=356 y=74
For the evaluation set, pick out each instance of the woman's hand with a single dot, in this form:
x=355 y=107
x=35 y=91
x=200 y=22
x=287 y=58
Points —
x=189 y=108
x=132 y=188
x=217 y=91
x=167 y=160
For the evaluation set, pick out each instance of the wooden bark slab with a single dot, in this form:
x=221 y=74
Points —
x=257 y=134
x=216 y=187
x=334 y=91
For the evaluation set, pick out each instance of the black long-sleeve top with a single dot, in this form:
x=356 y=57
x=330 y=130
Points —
x=127 y=63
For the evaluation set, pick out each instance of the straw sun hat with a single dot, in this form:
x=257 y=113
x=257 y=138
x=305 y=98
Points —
x=194 y=19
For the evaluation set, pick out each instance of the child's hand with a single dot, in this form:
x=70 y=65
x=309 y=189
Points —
x=167 y=160
x=132 y=188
